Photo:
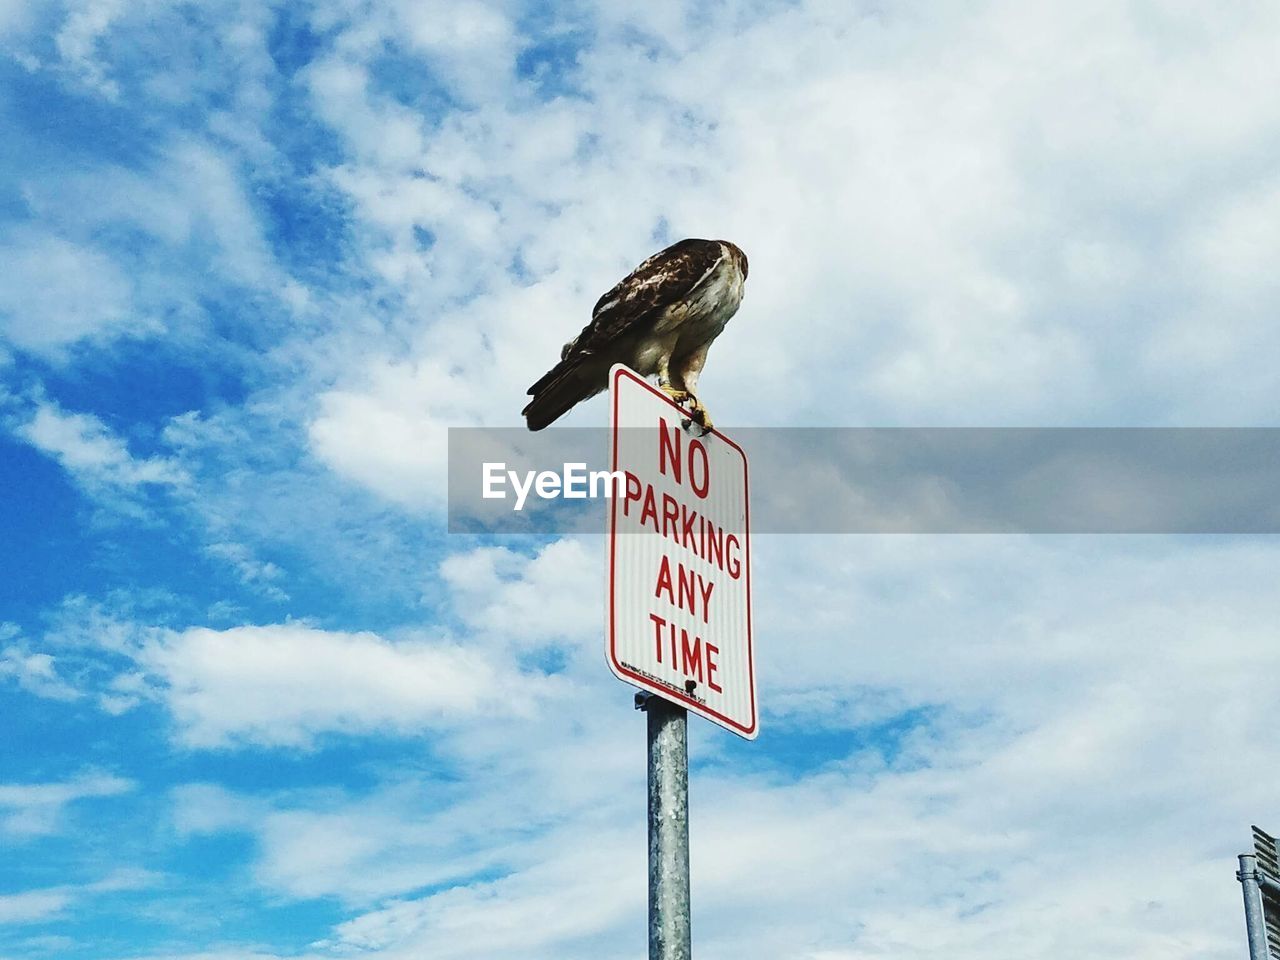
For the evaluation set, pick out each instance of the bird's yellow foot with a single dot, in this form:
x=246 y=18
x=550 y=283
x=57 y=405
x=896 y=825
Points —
x=677 y=396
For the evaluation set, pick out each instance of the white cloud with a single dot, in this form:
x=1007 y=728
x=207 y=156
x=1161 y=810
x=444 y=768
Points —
x=410 y=834
x=55 y=293
x=34 y=906
x=259 y=575
x=92 y=453
x=35 y=809
x=371 y=438
x=282 y=684
x=569 y=898
x=387 y=427
x=78 y=39
x=554 y=596
x=35 y=673
x=108 y=250
x=14 y=16
x=203 y=179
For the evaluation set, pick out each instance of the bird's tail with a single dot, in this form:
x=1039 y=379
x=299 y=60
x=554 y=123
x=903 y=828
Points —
x=553 y=395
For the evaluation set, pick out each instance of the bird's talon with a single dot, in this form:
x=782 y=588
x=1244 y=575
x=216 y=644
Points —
x=701 y=418
x=677 y=396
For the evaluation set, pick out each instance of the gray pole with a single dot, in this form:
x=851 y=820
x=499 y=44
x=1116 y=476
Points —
x=668 y=829
x=1254 y=922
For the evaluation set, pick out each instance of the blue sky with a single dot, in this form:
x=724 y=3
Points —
x=259 y=257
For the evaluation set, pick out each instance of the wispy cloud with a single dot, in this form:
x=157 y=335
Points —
x=260 y=575
x=31 y=906
x=35 y=809
x=56 y=293
x=283 y=684
x=35 y=673
x=90 y=452
x=78 y=38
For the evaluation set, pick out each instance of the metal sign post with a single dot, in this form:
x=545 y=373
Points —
x=669 y=914
x=1254 y=922
x=1259 y=877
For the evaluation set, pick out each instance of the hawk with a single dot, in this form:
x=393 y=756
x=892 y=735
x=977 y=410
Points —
x=660 y=319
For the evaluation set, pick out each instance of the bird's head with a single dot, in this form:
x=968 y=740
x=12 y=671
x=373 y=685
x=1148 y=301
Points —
x=739 y=257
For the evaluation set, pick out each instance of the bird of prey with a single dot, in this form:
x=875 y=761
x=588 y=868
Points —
x=660 y=320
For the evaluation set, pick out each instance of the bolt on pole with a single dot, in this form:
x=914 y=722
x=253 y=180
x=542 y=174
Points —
x=1254 y=921
x=669 y=934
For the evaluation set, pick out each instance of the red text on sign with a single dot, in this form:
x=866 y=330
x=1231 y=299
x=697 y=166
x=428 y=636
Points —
x=690 y=655
x=666 y=515
x=689 y=589
x=670 y=441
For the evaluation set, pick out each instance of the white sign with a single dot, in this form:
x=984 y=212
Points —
x=679 y=619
